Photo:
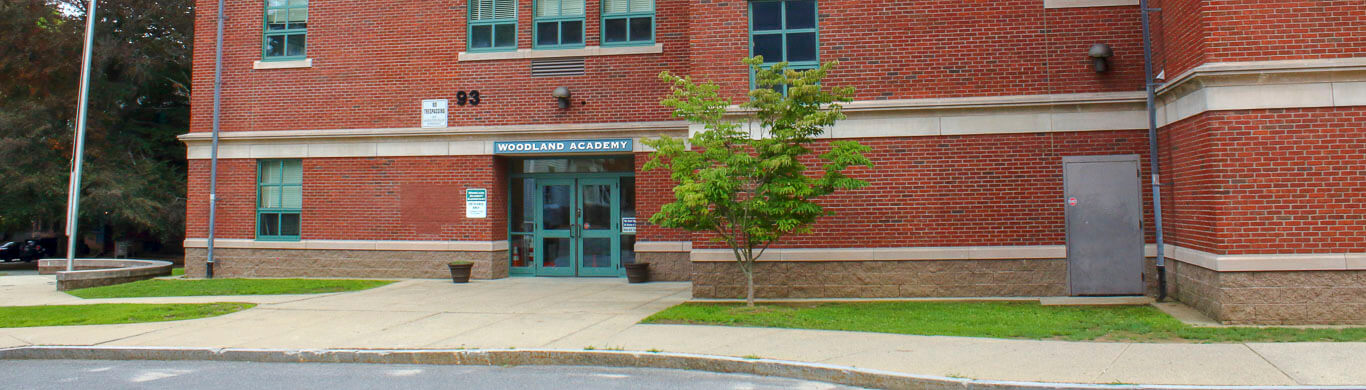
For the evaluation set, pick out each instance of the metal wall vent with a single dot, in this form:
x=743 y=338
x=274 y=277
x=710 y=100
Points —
x=557 y=67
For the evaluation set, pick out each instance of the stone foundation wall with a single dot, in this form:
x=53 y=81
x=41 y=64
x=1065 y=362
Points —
x=343 y=263
x=884 y=279
x=1271 y=297
x=667 y=266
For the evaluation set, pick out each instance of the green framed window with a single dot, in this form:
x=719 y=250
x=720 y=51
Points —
x=279 y=199
x=286 y=32
x=784 y=31
x=558 y=24
x=492 y=25
x=628 y=22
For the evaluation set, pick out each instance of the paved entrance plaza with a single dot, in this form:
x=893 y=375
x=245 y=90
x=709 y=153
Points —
x=569 y=313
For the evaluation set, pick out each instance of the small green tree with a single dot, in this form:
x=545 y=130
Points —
x=744 y=179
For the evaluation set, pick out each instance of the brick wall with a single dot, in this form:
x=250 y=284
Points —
x=1267 y=181
x=1196 y=31
x=373 y=63
x=1002 y=189
x=404 y=198
x=900 y=49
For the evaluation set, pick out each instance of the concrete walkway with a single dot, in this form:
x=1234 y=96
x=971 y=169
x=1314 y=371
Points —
x=603 y=314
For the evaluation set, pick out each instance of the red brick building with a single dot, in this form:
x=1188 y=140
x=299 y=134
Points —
x=368 y=139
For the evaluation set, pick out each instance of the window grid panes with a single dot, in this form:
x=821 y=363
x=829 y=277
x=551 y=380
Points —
x=279 y=199
x=628 y=22
x=492 y=25
x=785 y=31
x=286 y=30
x=558 y=24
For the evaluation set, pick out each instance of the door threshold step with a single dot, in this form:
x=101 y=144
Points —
x=1094 y=301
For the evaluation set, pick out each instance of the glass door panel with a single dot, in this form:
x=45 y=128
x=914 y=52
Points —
x=555 y=208
x=598 y=233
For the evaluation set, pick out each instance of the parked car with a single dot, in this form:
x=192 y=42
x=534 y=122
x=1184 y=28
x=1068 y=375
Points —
x=27 y=250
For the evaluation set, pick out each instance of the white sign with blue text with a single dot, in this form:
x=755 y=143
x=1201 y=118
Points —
x=476 y=203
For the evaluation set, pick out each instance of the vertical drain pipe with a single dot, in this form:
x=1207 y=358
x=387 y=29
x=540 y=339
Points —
x=213 y=151
x=1149 y=85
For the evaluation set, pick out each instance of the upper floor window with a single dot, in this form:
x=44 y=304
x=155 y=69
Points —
x=279 y=199
x=493 y=25
x=286 y=33
x=559 y=23
x=784 y=30
x=628 y=22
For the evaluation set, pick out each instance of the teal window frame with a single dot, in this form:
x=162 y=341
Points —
x=783 y=32
x=559 y=24
x=278 y=212
x=492 y=24
x=602 y=30
x=267 y=33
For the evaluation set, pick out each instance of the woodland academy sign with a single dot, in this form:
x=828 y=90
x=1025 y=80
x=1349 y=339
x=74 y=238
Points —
x=565 y=146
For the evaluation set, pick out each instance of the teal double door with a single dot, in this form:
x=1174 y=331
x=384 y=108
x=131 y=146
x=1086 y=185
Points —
x=578 y=226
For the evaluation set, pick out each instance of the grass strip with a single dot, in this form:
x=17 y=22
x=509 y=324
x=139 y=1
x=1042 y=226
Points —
x=1014 y=320
x=178 y=271
x=111 y=313
x=199 y=287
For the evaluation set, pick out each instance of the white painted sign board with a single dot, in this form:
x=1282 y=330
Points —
x=476 y=203
x=434 y=114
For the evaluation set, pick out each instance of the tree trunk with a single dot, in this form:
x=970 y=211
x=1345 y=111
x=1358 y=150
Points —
x=749 y=287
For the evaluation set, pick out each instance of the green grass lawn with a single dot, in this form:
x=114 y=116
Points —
x=1018 y=320
x=178 y=271
x=114 y=313
x=193 y=287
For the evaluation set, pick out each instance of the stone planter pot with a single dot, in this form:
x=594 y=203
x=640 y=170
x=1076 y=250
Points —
x=460 y=273
x=638 y=272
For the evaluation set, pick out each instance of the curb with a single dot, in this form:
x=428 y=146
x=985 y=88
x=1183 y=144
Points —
x=548 y=357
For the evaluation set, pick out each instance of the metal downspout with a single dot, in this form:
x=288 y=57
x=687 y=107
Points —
x=213 y=150
x=1149 y=85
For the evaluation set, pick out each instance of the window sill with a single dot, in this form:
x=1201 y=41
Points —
x=589 y=51
x=1087 y=3
x=290 y=64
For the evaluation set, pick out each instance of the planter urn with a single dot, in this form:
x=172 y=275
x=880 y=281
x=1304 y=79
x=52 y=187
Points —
x=460 y=272
x=637 y=272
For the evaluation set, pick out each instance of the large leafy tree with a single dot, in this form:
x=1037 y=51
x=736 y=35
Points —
x=134 y=178
x=746 y=180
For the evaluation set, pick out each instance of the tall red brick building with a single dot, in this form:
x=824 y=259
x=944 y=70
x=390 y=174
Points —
x=384 y=139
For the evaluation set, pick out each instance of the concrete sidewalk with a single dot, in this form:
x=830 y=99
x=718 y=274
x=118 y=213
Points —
x=555 y=313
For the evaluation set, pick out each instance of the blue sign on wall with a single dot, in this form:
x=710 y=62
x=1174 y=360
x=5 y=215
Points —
x=565 y=146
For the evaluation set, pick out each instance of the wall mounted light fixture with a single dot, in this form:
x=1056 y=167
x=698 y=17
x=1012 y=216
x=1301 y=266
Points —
x=1100 y=57
x=561 y=94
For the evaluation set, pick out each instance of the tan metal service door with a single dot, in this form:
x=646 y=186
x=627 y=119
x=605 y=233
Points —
x=1104 y=210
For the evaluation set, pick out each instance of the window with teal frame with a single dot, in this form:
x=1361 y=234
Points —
x=286 y=32
x=492 y=25
x=784 y=31
x=279 y=199
x=558 y=24
x=628 y=22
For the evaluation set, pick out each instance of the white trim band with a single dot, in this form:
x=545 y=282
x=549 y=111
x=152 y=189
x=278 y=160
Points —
x=1271 y=262
x=589 y=51
x=377 y=245
x=663 y=246
x=894 y=254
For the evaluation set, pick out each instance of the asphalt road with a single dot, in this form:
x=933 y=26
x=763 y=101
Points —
x=103 y=374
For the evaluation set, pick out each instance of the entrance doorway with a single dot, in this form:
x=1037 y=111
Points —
x=572 y=223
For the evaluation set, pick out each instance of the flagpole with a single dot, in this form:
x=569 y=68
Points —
x=73 y=203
